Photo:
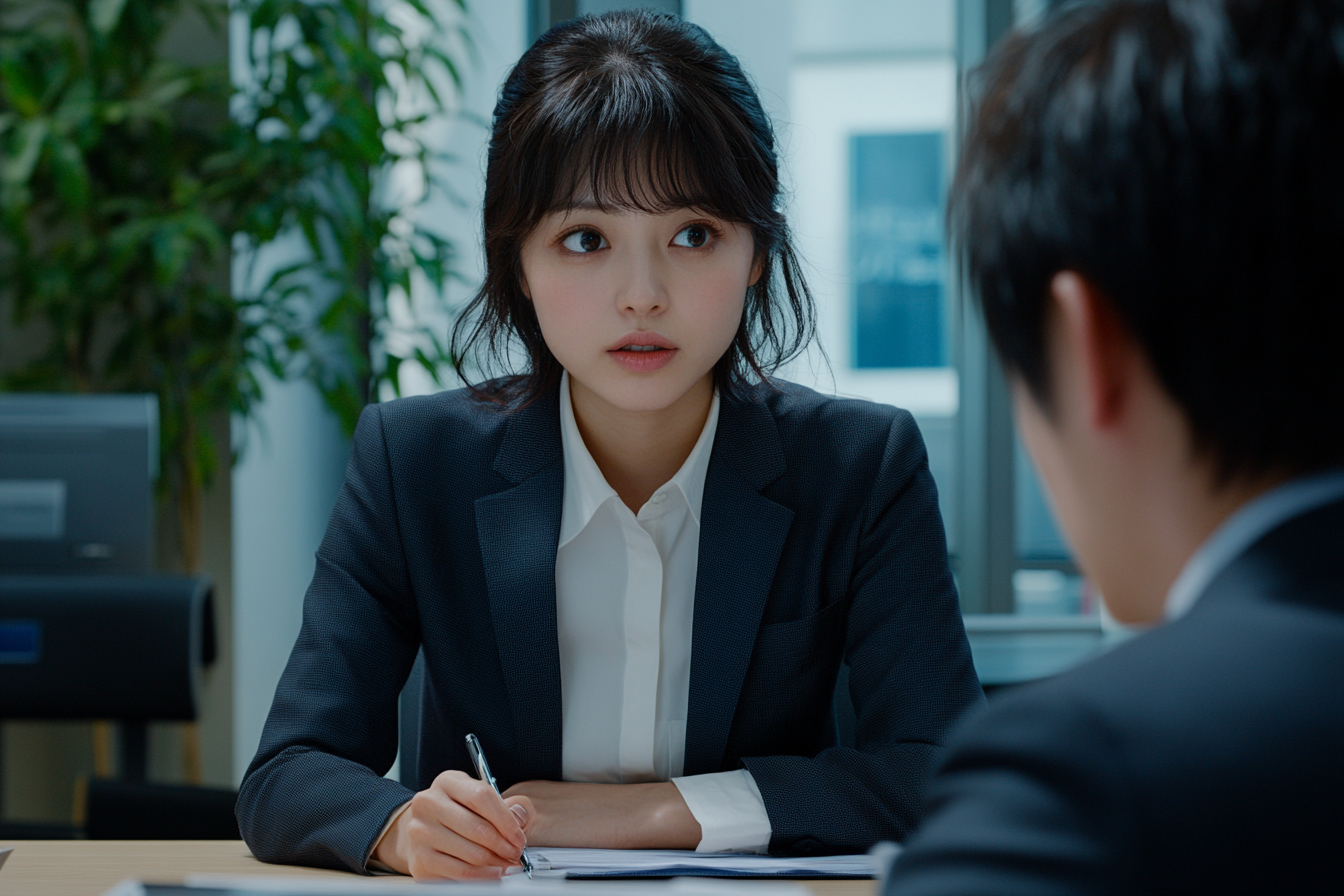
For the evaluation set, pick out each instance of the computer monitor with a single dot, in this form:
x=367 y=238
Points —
x=77 y=479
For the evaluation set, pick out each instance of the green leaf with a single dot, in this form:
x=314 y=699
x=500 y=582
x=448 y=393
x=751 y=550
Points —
x=19 y=165
x=72 y=177
x=392 y=371
x=165 y=93
x=105 y=14
x=18 y=86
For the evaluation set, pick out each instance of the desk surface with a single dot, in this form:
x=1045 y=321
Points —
x=91 y=867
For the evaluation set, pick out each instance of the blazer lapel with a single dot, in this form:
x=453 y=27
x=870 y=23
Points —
x=742 y=536
x=518 y=530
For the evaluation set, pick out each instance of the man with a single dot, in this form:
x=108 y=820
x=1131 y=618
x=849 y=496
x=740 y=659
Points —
x=1150 y=204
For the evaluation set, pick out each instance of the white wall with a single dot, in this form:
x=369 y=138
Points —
x=498 y=30
x=826 y=70
x=760 y=34
x=283 y=492
x=851 y=29
x=832 y=102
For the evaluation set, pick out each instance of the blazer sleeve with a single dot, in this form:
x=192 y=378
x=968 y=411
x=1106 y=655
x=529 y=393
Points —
x=911 y=675
x=314 y=794
x=1033 y=799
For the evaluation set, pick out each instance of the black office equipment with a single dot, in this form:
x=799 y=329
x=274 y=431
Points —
x=86 y=632
x=76 y=483
x=103 y=647
x=128 y=810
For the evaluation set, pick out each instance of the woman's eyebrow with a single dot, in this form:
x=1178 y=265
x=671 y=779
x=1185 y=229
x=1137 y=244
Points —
x=589 y=204
x=565 y=212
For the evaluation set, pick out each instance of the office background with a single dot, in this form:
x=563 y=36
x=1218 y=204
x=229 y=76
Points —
x=864 y=96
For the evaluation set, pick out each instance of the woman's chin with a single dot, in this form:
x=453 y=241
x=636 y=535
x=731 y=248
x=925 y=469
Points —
x=647 y=392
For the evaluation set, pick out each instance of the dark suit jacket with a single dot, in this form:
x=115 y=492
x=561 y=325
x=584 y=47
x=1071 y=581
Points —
x=820 y=539
x=1204 y=756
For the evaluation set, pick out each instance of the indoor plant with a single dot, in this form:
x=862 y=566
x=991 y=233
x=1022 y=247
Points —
x=128 y=183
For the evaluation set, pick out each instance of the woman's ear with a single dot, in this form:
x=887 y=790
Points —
x=757 y=269
x=522 y=284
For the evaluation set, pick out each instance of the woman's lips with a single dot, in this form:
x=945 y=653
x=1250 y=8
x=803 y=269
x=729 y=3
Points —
x=642 y=358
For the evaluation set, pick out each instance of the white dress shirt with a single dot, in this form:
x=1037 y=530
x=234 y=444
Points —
x=625 y=602
x=1243 y=528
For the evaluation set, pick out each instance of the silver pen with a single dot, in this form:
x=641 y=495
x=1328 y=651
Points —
x=483 y=772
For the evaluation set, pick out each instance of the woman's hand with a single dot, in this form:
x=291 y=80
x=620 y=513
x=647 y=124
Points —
x=611 y=816
x=458 y=829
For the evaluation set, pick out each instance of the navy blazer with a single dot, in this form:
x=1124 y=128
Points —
x=1206 y=756
x=820 y=540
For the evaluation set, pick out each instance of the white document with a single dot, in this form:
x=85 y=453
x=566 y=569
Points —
x=588 y=863
x=554 y=886
x=4 y=854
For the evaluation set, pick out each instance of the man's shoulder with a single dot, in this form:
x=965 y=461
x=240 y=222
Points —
x=1264 y=641
x=1199 y=756
x=1211 y=676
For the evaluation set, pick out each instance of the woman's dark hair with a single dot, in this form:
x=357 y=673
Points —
x=641 y=111
x=1187 y=158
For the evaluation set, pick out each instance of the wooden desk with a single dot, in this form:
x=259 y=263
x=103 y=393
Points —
x=91 y=867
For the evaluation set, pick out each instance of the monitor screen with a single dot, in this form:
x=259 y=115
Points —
x=77 y=479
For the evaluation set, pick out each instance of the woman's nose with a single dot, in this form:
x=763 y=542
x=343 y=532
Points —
x=645 y=288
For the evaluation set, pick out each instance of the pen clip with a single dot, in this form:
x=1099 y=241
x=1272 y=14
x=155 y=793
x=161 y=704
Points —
x=478 y=759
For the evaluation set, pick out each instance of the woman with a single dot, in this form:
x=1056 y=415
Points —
x=635 y=566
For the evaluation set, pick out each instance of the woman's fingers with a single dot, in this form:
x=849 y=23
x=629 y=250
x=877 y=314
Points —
x=481 y=799
x=429 y=864
x=474 y=839
x=459 y=829
x=523 y=810
x=474 y=812
x=448 y=842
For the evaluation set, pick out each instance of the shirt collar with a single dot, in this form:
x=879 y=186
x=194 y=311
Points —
x=586 y=489
x=1239 y=531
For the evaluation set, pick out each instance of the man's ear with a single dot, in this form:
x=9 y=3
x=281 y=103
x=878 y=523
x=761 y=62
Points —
x=1096 y=346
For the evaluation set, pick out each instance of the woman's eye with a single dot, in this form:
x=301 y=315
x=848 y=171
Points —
x=692 y=237
x=584 y=241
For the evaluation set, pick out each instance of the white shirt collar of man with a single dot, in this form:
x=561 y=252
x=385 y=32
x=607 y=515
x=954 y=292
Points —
x=1245 y=527
x=586 y=489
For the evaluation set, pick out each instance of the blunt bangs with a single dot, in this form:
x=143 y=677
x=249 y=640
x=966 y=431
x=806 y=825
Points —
x=655 y=174
x=646 y=144
x=630 y=111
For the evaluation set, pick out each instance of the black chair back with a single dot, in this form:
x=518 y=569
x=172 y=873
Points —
x=127 y=810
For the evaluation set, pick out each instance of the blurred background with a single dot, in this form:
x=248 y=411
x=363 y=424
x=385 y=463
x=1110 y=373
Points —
x=227 y=228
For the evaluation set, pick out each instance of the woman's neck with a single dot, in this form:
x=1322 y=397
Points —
x=639 y=451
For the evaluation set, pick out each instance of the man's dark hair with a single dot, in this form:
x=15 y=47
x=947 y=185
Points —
x=641 y=111
x=1187 y=158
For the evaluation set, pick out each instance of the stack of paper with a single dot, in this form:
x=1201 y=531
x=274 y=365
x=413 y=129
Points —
x=249 y=885
x=599 y=863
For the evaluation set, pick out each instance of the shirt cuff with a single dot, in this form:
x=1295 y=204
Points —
x=373 y=864
x=730 y=810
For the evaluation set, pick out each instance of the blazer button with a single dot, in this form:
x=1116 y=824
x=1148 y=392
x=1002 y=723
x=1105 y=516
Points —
x=806 y=846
